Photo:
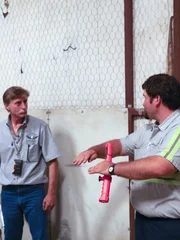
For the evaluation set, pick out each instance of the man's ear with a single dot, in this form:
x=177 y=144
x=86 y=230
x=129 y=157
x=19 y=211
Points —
x=6 y=107
x=157 y=100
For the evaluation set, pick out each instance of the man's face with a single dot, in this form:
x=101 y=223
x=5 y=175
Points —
x=18 y=107
x=148 y=106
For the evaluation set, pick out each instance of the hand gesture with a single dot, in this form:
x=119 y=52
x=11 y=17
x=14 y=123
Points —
x=100 y=168
x=86 y=156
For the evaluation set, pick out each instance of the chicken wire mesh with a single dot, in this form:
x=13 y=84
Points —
x=69 y=54
x=151 y=31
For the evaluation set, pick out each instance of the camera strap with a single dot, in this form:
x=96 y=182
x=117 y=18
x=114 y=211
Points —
x=17 y=142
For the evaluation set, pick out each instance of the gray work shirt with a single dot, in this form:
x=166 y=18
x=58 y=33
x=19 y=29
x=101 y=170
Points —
x=33 y=144
x=157 y=197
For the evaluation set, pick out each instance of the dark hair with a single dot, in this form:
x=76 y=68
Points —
x=165 y=86
x=13 y=93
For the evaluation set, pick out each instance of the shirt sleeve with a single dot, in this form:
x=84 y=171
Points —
x=134 y=140
x=170 y=147
x=48 y=145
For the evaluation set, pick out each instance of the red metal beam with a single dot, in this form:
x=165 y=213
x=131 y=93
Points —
x=128 y=31
x=176 y=63
x=129 y=86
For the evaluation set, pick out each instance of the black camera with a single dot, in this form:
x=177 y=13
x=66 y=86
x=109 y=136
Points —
x=17 y=167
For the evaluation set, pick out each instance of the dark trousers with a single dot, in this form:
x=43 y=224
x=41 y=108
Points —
x=156 y=228
x=24 y=200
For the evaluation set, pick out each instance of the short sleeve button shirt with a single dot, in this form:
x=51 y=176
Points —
x=36 y=147
x=157 y=197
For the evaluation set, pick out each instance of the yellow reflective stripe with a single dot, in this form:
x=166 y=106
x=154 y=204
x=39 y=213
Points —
x=173 y=146
x=174 y=150
x=162 y=181
x=174 y=176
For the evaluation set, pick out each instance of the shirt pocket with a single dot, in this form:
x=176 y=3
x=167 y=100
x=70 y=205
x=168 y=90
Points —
x=155 y=143
x=33 y=153
x=154 y=146
x=33 y=150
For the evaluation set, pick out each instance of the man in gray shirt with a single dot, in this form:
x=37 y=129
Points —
x=155 y=173
x=27 y=154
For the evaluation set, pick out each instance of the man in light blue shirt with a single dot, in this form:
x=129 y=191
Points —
x=155 y=173
x=27 y=154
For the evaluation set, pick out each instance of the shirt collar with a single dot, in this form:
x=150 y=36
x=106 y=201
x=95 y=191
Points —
x=168 y=120
x=24 y=124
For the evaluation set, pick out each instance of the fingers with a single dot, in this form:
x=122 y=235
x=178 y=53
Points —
x=44 y=205
x=50 y=207
x=80 y=159
x=92 y=170
x=86 y=156
x=47 y=206
x=101 y=168
x=93 y=156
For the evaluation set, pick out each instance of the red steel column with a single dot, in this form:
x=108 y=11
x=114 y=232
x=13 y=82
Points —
x=176 y=62
x=128 y=25
x=129 y=93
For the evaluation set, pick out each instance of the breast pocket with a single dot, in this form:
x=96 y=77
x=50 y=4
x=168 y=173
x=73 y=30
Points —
x=33 y=153
x=154 y=144
x=33 y=148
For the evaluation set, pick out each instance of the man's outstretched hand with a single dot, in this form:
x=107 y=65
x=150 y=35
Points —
x=86 y=156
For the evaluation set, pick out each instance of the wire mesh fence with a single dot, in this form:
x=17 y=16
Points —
x=70 y=54
x=151 y=41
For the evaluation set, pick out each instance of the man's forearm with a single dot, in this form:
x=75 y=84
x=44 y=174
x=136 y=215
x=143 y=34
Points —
x=151 y=167
x=53 y=177
x=101 y=150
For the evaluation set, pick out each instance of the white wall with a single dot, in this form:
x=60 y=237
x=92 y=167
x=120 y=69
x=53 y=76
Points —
x=78 y=214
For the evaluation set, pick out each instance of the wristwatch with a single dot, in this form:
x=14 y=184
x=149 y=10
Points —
x=111 y=169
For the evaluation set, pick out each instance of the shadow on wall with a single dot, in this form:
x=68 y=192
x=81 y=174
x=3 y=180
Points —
x=69 y=219
x=63 y=218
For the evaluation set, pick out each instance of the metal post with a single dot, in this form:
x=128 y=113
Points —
x=176 y=63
